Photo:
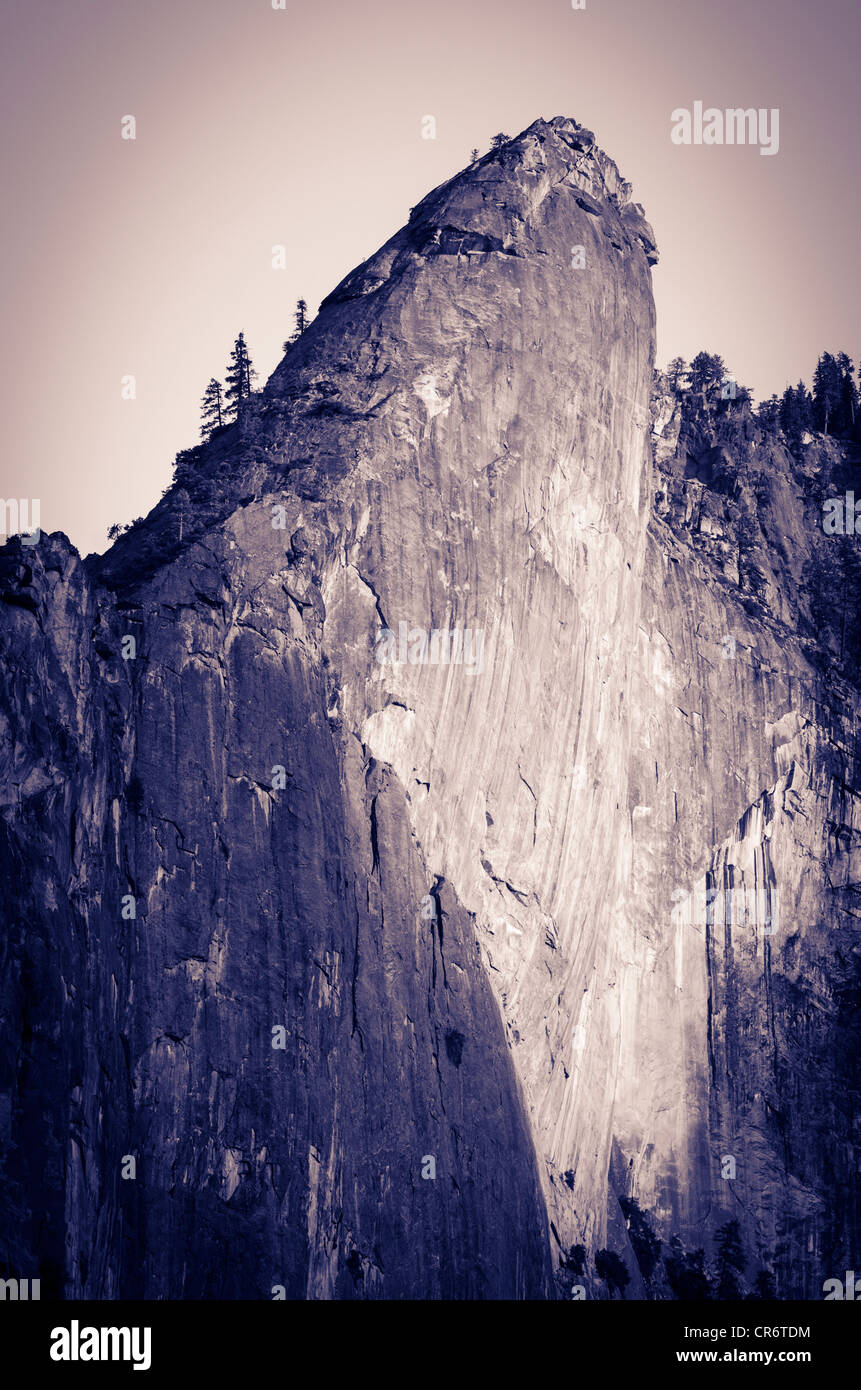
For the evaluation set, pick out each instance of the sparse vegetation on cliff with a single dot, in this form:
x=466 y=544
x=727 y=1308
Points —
x=830 y=407
x=731 y=475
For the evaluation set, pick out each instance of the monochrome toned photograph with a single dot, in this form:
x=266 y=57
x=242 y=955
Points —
x=430 y=649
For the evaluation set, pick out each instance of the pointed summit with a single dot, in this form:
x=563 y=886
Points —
x=498 y=204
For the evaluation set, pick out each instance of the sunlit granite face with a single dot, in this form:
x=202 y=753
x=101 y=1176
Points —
x=369 y=804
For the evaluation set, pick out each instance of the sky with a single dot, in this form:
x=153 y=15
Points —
x=302 y=127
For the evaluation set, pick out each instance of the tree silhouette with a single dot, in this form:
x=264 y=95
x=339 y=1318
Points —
x=645 y=1244
x=120 y=528
x=827 y=394
x=686 y=1273
x=613 y=1271
x=796 y=415
x=302 y=320
x=499 y=140
x=676 y=373
x=768 y=414
x=240 y=375
x=848 y=394
x=730 y=1261
x=211 y=409
x=473 y=156
x=707 y=372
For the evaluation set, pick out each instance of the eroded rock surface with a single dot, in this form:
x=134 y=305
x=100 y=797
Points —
x=458 y=888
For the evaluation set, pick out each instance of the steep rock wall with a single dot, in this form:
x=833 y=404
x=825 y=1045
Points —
x=466 y=891
x=390 y=474
x=742 y=970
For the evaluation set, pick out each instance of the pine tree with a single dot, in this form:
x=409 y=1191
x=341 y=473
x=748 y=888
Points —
x=730 y=1262
x=788 y=416
x=804 y=406
x=240 y=375
x=300 y=318
x=707 y=372
x=796 y=415
x=827 y=393
x=676 y=372
x=768 y=414
x=499 y=140
x=473 y=156
x=211 y=410
x=848 y=394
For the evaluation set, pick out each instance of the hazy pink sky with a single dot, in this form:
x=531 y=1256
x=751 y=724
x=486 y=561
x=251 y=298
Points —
x=258 y=127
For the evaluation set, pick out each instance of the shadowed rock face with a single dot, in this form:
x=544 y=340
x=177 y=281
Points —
x=740 y=1036
x=390 y=907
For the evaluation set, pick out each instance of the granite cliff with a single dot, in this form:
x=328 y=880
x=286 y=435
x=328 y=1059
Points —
x=360 y=802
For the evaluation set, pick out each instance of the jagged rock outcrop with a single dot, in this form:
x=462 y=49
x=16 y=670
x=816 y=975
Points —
x=456 y=886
